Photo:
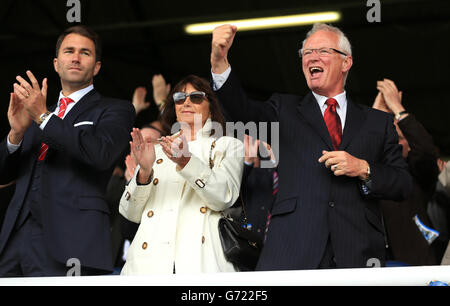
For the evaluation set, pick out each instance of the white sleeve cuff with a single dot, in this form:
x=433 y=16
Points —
x=44 y=123
x=12 y=147
x=220 y=79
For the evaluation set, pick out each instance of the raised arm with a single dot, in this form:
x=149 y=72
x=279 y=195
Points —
x=228 y=88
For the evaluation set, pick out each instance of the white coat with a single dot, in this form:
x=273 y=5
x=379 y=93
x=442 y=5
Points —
x=179 y=210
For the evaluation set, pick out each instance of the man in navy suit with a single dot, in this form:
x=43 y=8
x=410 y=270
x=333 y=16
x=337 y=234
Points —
x=336 y=159
x=61 y=159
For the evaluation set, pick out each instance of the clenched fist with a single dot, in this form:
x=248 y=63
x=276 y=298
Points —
x=222 y=39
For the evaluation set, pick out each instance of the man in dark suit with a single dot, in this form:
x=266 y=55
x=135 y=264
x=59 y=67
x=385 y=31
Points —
x=61 y=158
x=337 y=159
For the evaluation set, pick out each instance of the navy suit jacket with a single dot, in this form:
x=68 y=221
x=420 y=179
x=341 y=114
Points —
x=312 y=203
x=75 y=173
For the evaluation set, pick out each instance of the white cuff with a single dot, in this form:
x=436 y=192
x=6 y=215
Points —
x=12 y=147
x=220 y=79
x=44 y=123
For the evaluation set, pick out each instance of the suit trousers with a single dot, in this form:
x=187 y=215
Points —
x=328 y=260
x=25 y=253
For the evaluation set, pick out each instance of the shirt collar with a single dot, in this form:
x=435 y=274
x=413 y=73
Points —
x=340 y=98
x=77 y=95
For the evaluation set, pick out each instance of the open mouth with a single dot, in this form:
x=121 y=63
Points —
x=315 y=71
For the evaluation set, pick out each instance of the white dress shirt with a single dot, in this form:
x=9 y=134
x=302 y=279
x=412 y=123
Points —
x=341 y=108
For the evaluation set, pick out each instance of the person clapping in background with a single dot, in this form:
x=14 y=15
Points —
x=406 y=222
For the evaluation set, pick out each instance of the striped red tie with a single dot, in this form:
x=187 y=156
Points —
x=333 y=122
x=274 y=192
x=62 y=110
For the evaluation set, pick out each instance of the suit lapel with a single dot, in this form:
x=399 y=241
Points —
x=310 y=111
x=81 y=106
x=353 y=123
x=86 y=102
x=35 y=134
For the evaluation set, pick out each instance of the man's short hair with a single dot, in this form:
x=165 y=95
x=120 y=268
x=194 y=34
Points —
x=344 y=43
x=83 y=31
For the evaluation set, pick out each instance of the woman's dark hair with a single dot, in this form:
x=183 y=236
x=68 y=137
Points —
x=169 y=117
x=83 y=31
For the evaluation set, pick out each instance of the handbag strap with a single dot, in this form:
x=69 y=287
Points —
x=211 y=165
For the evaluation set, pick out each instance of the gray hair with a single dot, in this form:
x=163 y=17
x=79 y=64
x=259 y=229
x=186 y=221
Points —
x=344 y=43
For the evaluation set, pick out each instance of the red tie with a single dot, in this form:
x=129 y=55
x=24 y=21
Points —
x=62 y=110
x=274 y=192
x=333 y=123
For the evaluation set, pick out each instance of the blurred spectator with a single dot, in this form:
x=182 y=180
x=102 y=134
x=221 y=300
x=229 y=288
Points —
x=160 y=90
x=145 y=112
x=444 y=176
x=407 y=221
x=439 y=209
x=257 y=188
x=122 y=230
x=138 y=100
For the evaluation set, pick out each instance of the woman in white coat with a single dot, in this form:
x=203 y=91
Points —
x=181 y=186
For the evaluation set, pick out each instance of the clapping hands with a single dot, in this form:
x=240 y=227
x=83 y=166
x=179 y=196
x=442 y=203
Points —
x=389 y=98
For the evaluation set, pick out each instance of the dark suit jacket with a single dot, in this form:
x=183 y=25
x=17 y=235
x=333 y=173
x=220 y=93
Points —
x=312 y=204
x=256 y=192
x=75 y=173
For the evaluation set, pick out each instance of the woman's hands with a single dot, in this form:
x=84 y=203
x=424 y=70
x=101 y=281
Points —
x=176 y=148
x=143 y=154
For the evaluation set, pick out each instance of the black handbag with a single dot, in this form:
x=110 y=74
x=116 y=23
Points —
x=241 y=246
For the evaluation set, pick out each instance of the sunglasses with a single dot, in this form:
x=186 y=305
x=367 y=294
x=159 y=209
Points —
x=195 y=97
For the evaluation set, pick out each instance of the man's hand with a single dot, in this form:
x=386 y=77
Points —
x=160 y=90
x=33 y=98
x=19 y=119
x=342 y=163
x=138 y=101
x=392 y=96
x=222 y=39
